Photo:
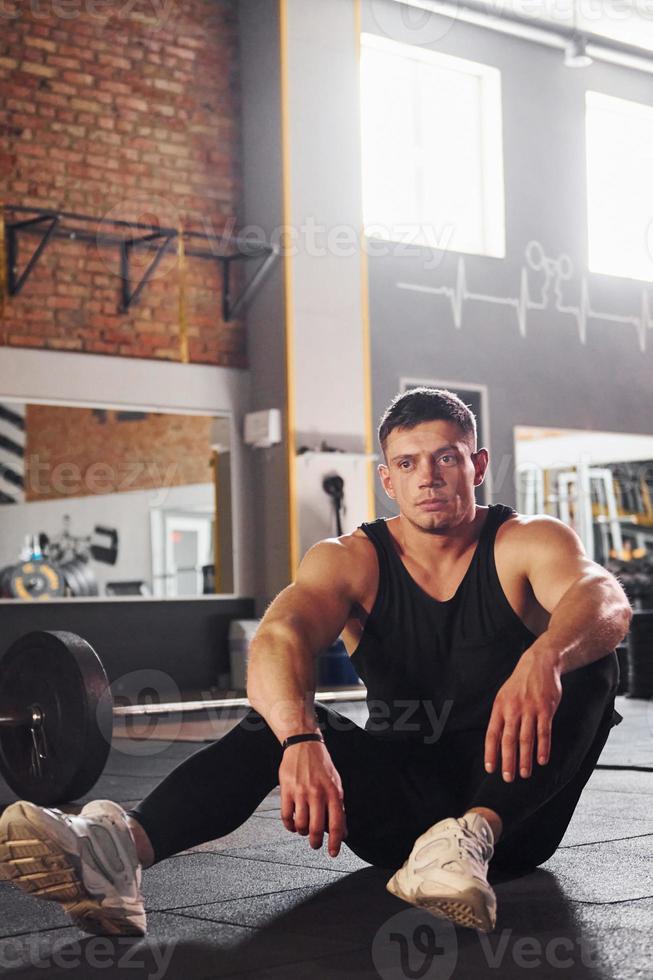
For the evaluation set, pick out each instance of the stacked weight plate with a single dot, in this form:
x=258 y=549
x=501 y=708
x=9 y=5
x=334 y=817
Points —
x=640 y=655
x=36 y=580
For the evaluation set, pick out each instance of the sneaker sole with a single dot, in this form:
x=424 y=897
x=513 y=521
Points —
x=33 y=860
x=458 y=911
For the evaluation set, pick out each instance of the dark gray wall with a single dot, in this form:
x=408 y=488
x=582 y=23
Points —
x=547 y=377
x=185 y=639
x=263 y=208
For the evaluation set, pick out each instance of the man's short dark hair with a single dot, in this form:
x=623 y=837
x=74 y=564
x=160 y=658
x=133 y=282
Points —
x=417 y=405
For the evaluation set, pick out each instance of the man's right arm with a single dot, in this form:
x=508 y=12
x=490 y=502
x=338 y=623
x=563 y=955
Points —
x=304 y=619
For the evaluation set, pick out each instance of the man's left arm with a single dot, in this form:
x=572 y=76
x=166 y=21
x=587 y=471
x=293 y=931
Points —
x=589 y=616
x=590 y=613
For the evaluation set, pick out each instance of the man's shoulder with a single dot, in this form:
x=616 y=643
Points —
x=533 y=531
x=346 y=563
x=356 y=545
x=353 y=552
x=527 y=544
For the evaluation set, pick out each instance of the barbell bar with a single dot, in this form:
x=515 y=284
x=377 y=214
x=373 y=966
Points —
x=188 y=707
x=57 y=715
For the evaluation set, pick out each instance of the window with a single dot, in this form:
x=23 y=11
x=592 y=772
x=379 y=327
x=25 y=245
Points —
x=432 y=149
x=619 y=147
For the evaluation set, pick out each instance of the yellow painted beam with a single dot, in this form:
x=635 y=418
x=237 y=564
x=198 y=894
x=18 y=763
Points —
x=365 y=313
x=293 y=517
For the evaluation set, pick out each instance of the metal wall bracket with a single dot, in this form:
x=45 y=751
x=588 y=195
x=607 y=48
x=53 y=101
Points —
x=15 y=282
x=124 y=236
x=125 y=251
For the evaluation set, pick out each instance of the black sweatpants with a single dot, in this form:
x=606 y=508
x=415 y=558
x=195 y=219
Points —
x=394 y=791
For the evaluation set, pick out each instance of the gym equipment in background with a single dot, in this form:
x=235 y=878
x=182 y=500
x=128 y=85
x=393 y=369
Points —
x=334 y=487
x=57 y=714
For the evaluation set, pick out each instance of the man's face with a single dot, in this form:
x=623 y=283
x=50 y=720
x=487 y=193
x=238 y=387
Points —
x=431 y=472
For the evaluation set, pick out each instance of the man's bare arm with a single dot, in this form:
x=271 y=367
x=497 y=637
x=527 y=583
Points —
x=590 y=613
x=305 y=618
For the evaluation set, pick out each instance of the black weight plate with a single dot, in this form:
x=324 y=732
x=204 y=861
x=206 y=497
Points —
x=87 y=575
x=5 y=579
x=73 y=580
x=7 y=576
x=75 y=570
x=35 y=580
x=78 y=571
x=62 y=674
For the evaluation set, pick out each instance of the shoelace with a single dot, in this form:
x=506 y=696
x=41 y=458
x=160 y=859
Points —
x=65 y=818
x=72 y=820
x=478 y=850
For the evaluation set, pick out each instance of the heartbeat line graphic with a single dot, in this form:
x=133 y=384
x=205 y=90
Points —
x=556 y=272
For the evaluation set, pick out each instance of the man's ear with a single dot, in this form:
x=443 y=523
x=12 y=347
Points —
x=384 y=476
x=480 y=460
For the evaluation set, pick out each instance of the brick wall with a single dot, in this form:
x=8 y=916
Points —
x=77 y=452
x=128 y=111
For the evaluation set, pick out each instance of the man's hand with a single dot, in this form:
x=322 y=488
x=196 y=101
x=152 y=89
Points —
x=311 y=787
x=522 y=714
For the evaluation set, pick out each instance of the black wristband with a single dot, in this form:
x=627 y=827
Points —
x=312 y=737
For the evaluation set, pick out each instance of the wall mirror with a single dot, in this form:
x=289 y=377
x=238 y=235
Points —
x=105 y=501
x=600 y=483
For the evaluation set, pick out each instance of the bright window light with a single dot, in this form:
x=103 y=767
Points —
x=432 y=149
x=619 y=142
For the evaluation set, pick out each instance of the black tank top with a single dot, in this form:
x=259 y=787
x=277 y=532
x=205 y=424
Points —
x=432 y=666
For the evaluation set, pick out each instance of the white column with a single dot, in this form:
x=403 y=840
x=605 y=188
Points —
x=325 y=272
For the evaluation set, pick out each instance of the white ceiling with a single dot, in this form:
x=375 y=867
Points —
x=629 y=21
x=625 y=21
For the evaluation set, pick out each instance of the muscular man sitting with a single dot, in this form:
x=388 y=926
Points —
x=486 y=642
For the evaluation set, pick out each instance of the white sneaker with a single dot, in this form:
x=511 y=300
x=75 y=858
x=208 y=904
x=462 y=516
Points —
x=88 y=863
x=446 y=872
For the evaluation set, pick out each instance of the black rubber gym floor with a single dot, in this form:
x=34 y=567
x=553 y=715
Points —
x=261 y=903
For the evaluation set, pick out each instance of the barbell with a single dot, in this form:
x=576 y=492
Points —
x=57 y=715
